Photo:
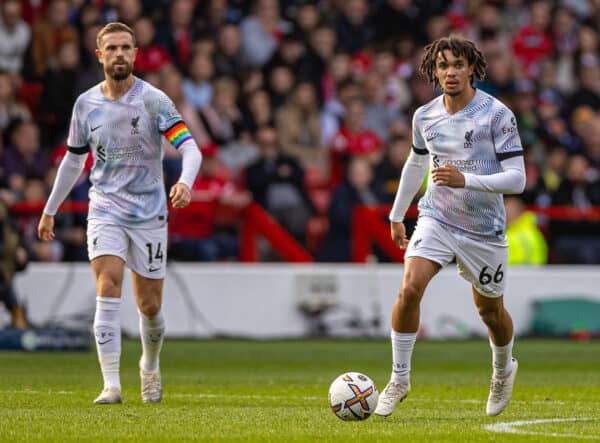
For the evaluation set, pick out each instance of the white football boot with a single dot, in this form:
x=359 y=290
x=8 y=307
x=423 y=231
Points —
x=393 y=394
x=151 y=386
x=501 y=391
x=109 y=396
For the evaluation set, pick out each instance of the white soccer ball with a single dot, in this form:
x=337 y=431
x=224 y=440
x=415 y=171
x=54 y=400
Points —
x=353 y=396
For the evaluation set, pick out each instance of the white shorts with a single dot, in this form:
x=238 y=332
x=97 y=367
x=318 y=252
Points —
x=482 y=262
x=143 y=250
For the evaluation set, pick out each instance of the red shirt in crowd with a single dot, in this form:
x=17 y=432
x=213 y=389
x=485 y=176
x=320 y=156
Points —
x=346 y=143
x=199 y=222
x=151 y=59
x=529 y=46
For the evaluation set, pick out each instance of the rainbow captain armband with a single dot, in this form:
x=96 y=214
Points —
x=177 y=134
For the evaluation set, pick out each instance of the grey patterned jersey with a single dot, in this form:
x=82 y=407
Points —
x=475 y=139
x=125 y=139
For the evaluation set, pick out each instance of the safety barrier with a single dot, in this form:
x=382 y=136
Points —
x=369 y=226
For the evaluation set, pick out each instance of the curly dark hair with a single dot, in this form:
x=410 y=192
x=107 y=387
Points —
x=460 y=47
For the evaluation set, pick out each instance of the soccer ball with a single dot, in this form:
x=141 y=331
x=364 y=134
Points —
x=353 y=396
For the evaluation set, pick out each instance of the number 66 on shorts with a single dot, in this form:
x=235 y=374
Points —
x=481 y=260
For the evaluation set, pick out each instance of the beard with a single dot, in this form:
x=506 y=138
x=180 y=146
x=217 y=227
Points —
x=120 y=72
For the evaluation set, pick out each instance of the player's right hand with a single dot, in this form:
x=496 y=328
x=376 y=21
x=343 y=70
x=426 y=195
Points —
x=398 y=233
x=46 y=227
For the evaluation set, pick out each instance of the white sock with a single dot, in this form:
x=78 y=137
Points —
x=403 y=344
x=152 y=331
x=502 y=358
x=107 y=331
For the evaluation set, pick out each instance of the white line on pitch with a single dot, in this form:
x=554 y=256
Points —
x=511 y=427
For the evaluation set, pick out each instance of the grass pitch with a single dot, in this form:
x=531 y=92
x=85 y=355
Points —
x=277 y=391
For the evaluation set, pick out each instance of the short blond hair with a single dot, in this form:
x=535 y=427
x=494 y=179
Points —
x=113 y=27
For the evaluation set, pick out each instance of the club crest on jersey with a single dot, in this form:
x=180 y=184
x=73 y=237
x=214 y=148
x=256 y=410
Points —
x=469 y=139
x=134 y=125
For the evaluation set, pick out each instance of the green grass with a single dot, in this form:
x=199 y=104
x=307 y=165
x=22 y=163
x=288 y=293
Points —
x=277 y=391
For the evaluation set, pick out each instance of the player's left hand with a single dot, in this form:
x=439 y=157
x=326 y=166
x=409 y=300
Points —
x=448 y=175
x=180 y=195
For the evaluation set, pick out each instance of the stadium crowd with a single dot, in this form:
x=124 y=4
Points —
x=305 y=107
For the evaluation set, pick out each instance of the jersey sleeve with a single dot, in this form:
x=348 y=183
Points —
x=505 y=134
x=418 y=142
x=171 y=124
x=77 y=141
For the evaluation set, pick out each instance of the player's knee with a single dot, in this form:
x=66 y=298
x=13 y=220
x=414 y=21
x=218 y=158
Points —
x=410 y=295
x=107 y=287
x=149 y=307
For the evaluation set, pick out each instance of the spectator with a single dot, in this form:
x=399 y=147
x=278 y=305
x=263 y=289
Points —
x=197 y=237
x=551 y=174
x=533 y=41
x=216 y=14
x=276 y=182
x=379 y=112
x=335 y=109
x=299 y=129
x=577 y=241
x=356 y=189
x=175 y=35
x=353 y=138
x=48 y=36
x=10 y=108
x=228 y=57
x=15 y=35
x=14 y=259
x=90 y=71
x=290 y=53
x=389 y=169
x=262 y=31
x=588 y=93
x=339 y=72
x=150 y=57
x=226 y=126
x=59 y=94
x=129 y=11
x=396 y=19
x=281 y=82
x=23 y=159
x=259 y=110
x=526 y=243
x=353 y=27
x=197 y=87
x=306 y=19
x=320 y=51
x=396 y=93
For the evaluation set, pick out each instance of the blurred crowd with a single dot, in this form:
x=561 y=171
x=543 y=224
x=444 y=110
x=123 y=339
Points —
x=305 y=107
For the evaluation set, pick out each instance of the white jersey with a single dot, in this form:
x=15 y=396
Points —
x=475 y=139
x=125 y=139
